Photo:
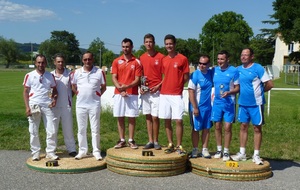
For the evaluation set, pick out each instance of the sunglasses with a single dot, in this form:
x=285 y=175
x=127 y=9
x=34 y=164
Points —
x=41 y=78
x=202 y=63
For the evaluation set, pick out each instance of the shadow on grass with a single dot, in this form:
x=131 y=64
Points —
x=283 y=164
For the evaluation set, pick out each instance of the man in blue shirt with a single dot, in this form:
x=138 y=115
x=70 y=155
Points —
x=254 y=81
x=226 y=85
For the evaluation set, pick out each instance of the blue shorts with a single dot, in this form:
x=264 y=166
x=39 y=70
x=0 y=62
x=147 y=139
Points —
x=223 y=111
x=255 y=114
x=202 y=121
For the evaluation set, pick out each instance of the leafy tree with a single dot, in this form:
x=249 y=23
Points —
x=97 y=47
x=9 y=50
x=263 y=48
x=108 y=58
x=223 y=31
x=50 y=48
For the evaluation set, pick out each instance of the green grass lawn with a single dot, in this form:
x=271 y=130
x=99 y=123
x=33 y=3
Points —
x=280 y=133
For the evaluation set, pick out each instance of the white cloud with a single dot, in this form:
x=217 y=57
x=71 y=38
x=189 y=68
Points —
x=17 y=12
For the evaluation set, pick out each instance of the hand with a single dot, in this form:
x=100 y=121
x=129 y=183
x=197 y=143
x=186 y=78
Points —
x=225 y=94
x=124 y=94
x=28 y=112
x=196 y=112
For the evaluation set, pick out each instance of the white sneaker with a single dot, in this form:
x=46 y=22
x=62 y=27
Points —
x=36 y=156
x=226 y=157
x=52 y=156
x=205 y=154
x=194 y=153
x=98 y=156
x=79 y=156
x=239 y=157
x=257 y=160
x=218 y=154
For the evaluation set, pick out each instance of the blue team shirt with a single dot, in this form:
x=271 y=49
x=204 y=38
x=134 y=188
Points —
x=252 y=85
x=224 y=80
x=202 y=84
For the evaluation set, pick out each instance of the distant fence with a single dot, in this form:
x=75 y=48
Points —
x=292 y=74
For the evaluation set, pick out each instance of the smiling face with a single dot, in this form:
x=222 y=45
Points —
x=40 y=63
x=149 y=44
x=87 y=60
x=59 y=63
x=170 y=46
x=127 y=48
x=203 y=64
x=246 y=57
x=223 y=61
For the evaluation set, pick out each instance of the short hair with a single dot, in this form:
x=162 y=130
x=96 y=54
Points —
x=42 y=56
x=170 y=37
x=205 y=56
x=224 y=52
x=58 y=55
x=251 y=50
x=88 y=52
x=149 y=36
x=125 y=40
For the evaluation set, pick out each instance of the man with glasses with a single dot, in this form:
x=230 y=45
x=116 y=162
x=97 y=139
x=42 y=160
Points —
x=199 y=88
x=226 y=85
x=88 y=83
x=40 y=97
x=63 y=108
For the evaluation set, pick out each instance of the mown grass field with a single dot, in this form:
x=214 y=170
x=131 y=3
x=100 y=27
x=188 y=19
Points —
x=280 y=133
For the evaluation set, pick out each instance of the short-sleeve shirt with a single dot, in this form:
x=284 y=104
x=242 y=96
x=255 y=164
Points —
x=173 y=70
x=126 y=72
x=40 y=87
x=152 y=66
x=88 y=87
x=252 y=85
x=63 y=86
x=202 y=85
x=224 y=81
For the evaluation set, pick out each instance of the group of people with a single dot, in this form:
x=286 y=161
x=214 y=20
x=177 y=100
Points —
x=160 y=81
x=212 y=94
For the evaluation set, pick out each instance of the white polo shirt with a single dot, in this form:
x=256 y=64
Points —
x=39 y=85
x=88 y=87
x=63 y=86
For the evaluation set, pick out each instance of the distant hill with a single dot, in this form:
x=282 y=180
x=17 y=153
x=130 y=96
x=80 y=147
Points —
x=26 y=47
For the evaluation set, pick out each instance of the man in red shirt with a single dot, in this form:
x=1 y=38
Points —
x=175 y=69
x=126 y=73
x=152 y=77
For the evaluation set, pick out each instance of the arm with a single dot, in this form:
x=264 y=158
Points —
x=186 y=77
x=268 y=85
x=235 y=90
x=54 y=97
x=26 y=100
x=74 y=89
x=193 y=101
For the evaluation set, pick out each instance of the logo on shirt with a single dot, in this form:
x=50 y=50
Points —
x=175 y=65
x=156 y=62
x=132 y=66
x=120 y=61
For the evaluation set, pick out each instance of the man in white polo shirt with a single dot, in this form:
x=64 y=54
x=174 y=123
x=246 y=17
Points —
x=88 y=83
x=40 y=96
x=63 y=108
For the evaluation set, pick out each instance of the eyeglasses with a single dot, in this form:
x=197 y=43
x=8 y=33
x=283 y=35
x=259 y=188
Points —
x=41 y=78
x=202 y=63
x=88 y=59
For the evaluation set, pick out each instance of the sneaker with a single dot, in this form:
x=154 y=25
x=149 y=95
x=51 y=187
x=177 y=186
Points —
x=157 y=146
x=98 y=156
x=52 y=156
x=205 y=154
x=194 y=153
x=257 y=160
x=73 y=154
x=218 y=154
x=226 y=156
x=79 y=156
x=132 y=144
x=169 y=149
x=120 y=144
x=180 y=150
x=149 y=145
x=239 y=157
x=36 y=156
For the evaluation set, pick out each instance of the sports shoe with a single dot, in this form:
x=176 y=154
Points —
x=36 y=156
x=169 y=149
x=239 y=157
x=194 y=153
x=226 y=156
x=120 y=144
x=257 y=160
x=73 y=154
x=205 y=154
x=79 y=156
x=218 y=154
x=157 y=146
x=52 y=156
x=149 y=145
x=132 y=144
x=180 y=150
x=98 y=156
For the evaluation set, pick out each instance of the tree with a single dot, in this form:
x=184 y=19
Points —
x=224 y=30
x=108 y=58
x=9 y=50
x=97 y=47
x=263 y=48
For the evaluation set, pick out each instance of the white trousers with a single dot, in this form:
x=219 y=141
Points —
x=65 y=115
x=93 y=114
x=34 y=123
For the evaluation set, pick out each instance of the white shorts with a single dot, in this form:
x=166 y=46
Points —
x=171 y=107
x=125 y=106
x=150 y=103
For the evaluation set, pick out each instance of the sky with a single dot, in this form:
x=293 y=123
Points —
x=32 y=21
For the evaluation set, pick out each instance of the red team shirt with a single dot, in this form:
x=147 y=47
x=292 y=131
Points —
x=174 y=70
x=152 y=68
x=126 y=72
